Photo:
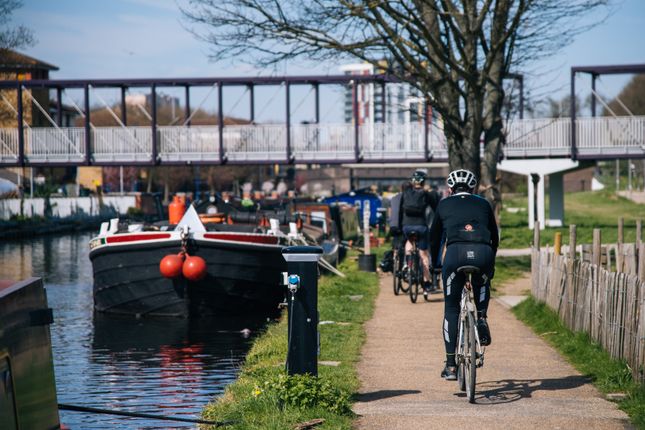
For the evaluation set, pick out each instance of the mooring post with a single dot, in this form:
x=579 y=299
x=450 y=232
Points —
x=302 y=284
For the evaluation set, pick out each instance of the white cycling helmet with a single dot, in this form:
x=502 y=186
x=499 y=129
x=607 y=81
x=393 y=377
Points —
x=462 y=177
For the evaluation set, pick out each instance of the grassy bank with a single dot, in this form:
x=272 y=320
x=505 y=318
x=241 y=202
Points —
x=587 y=210
x=607 y=374
x=263 y=398
x=509 y=268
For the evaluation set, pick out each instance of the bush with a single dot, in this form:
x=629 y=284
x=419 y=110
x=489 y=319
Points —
x=134 y=212
x=304 y=391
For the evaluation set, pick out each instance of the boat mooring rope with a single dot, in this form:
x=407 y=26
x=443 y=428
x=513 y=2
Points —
x=77 y=408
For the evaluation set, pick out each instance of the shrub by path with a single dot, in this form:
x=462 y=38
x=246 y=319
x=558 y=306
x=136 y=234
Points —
x=524 y=383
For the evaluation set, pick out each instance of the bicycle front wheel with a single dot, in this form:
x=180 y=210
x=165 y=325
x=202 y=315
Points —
x=413 y=278
x=471 y=361
x=396 y=280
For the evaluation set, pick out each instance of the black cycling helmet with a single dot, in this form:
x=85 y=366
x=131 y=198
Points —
x=418 y=178
x=462 y=180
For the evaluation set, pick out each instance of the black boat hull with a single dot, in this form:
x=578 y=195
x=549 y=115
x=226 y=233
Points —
x=242 y=278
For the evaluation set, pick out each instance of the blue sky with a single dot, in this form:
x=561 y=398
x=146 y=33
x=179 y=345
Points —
x=145 y=38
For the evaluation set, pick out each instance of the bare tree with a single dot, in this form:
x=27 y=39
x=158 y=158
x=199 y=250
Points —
x=13 y=36
x=457 y=52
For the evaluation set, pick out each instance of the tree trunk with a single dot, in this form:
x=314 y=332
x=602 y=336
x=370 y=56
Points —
x=489 y=184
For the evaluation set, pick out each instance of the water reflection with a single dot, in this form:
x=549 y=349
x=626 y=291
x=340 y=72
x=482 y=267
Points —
x=168 y=367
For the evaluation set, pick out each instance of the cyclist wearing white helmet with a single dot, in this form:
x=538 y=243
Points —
x=414 y=207
x=466 y=223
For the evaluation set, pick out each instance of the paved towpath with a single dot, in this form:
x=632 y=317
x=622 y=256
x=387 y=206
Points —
x=524 y=384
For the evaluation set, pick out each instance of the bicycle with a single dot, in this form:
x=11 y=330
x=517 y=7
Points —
x=470 y=354
x=397 y=272
x=414 y=275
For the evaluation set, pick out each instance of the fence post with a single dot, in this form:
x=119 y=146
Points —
x=596 y=250
x=639 y=241
x=619 y=246
x=567 y=314
x=536 y=235
x=639 y=232
x=557 y=243
x=302 y=282
x=572 y=241
x=641 y=264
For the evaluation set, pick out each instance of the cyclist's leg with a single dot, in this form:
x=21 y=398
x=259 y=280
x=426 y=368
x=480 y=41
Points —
x=482 y=257
x=408 y=246
x=422 y=246
x=453 y=284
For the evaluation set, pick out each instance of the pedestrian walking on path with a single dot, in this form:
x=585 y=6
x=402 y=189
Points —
x=525 y=384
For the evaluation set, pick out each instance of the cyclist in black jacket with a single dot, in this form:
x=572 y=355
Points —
x=414 y=206
x=466 y=224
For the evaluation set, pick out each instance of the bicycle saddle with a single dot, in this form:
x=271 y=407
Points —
x=468 y=269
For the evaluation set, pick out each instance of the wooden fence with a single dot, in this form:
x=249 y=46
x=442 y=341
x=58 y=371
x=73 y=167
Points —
x=608 y=305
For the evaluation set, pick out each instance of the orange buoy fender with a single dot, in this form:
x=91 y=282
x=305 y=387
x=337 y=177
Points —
x=171 y=265
x=194 y=268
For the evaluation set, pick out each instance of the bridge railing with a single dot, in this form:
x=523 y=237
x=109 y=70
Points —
x=538 y=138
x=9 y=145
x=611 y=136
x=188 y=143
x=320 y=142
x=118 y=144
x=596 y=137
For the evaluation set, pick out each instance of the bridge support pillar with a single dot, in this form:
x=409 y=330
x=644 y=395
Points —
x=554 y=169
x=556 y=199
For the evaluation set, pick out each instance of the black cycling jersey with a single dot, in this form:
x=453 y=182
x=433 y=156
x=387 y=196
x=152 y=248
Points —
x=465 y=218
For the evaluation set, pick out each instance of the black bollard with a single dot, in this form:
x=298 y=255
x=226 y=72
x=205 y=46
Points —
x=302 y=266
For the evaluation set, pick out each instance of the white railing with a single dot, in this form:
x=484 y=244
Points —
x=319 y=142
x=49 y=144
x=606 y=136
x=114 y=144
x=538 y=137
x=8 y=145
x=265 y=142
x=189 y=143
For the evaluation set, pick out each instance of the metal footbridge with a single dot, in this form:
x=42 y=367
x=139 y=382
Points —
x=253 y=143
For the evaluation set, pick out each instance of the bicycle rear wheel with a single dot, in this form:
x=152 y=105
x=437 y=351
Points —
x=396 y=280
x=471 y=361
x=413 y=277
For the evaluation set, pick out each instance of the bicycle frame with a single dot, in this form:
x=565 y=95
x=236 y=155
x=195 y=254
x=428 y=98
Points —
x=468 y=307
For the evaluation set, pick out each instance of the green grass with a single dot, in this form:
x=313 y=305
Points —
x=250 y=405
x=509 y=268
x=607 y=374
x=587 y=210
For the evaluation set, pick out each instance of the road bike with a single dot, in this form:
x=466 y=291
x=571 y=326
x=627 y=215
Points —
x=470 y=354
x=414 y=273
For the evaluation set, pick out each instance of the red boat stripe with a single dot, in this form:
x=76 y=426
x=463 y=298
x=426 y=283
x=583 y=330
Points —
x=269 y=240
x=137 y=237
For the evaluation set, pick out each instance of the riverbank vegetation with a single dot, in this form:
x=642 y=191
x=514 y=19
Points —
x=587 y=210
x=607 y=374
x=264 y=397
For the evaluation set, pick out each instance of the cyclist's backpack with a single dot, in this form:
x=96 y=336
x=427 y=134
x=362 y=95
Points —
x=387 y=263
x=414 y=203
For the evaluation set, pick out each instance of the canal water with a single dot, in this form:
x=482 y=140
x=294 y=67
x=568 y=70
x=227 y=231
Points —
x=166 y=367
